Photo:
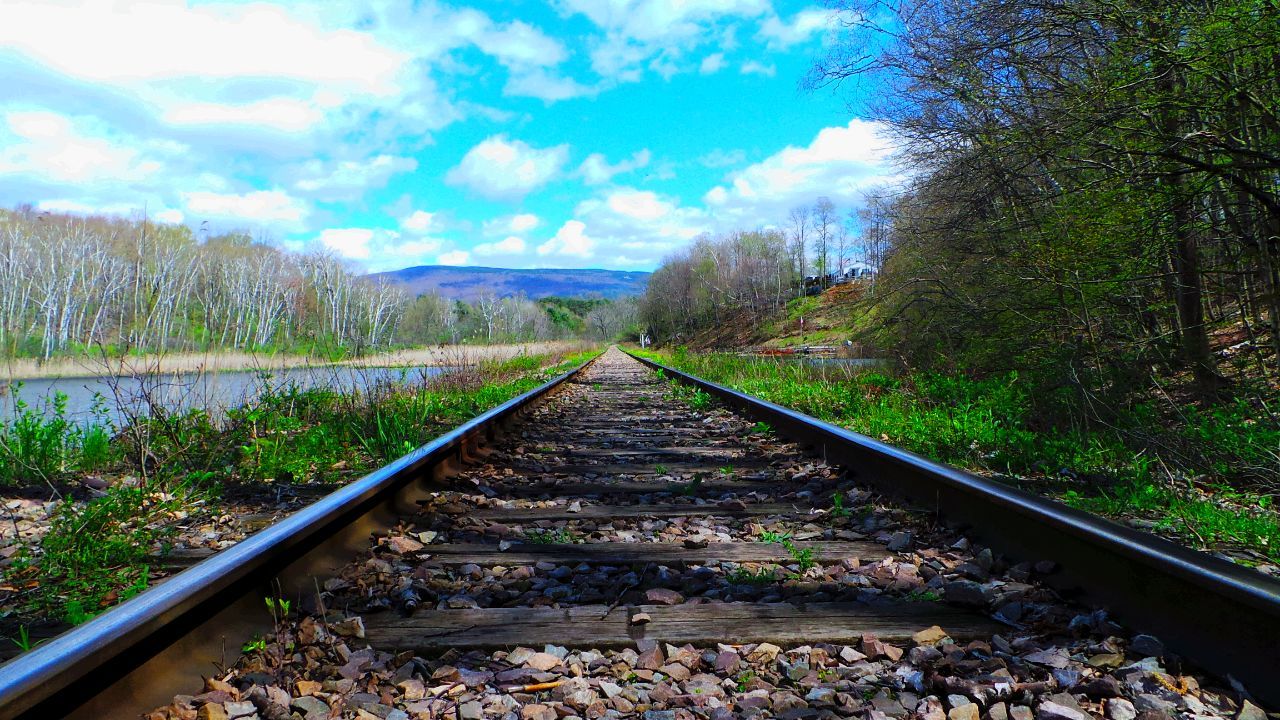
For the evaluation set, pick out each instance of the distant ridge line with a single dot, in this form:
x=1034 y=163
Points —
x=470 y=283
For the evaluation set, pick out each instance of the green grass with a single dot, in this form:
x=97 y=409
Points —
x=97 y=553
x=560 y=536
x=38 y=444
x=1139 y=464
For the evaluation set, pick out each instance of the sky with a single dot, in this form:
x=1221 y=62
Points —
x=522 y=133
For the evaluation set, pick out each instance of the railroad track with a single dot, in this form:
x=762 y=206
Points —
x=600 y=548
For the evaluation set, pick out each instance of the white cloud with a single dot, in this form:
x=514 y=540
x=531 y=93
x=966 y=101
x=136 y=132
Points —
x=352 y=243
x=655 y=33
x=718 y=158
x=512 y=245
x=639 y=205
x=570 y=240
x=596 y=170
x=54 y=148
x=420 y=221
x=350 y=179
x=540 y=84
x=266 y=206
x=173 y=217
x=641 y=225
x=780 y=35
x=712 y=64
x=661 y=20
x=753 y=67
x=285 y=114
x=524 y=222
x=518 y=44
x=840 y=163
x=502 y=169
x=454 y=257
x=112 y=43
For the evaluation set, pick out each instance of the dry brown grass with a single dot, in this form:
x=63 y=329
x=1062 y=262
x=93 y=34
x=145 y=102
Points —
x=436 y=356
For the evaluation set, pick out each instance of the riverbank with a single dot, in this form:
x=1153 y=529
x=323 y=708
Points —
x=92 y=515
x=12 y=369
x=1194 y=476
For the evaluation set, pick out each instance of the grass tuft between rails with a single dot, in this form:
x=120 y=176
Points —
x=1183 y=479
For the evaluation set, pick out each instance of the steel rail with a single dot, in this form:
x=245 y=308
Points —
x=1216 y=614
x=138 y=655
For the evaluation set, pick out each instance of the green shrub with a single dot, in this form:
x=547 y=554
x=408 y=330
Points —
x=95 y=553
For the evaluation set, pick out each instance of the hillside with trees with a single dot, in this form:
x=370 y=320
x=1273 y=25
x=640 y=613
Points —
x=72 y=285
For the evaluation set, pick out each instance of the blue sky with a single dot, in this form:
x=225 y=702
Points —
x=550 y=133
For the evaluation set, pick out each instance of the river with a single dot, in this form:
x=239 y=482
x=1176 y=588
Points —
x=213 y=391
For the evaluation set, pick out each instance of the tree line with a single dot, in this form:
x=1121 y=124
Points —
x=749 y=276
x=1096 y=193
x=71 y=284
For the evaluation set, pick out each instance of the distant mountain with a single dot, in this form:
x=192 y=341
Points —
x=469 y=283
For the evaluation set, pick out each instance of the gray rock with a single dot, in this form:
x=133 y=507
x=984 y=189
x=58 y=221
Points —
x=1050 y=710
x=1147 y=646
x=822 y=695
x=1249 y=711
x=311 y=706
x=900 y=541
x=1120 y=709
x=1101 y=687
x=659 y=715
x=471 y=710
x=239 y=709
x=964 y=592
x=1150 y=701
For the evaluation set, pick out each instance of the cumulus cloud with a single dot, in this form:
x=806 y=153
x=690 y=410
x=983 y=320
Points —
x=511 y=224
x=54 y=148
x=454 y=257
x=780 y=34
x=654 y=33
x=350 y=243
x=753 y=67
x=264 y=206
x=596 y=170
x=569 y=241
x=420 y=221
x=840 y=163
x=712 y=64
x=547 y=86
x=502 y=169
x=350 y=179
x=718 y=158
x=512 y=245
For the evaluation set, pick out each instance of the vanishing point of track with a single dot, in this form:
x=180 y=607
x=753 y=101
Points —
x=670 y=562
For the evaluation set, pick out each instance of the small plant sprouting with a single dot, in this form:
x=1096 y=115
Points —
x=802 y=556
x=257 y=644
x=761 y=428
x=726 y=470
x=744 y=576
x=837 y=506
x=23 y=641
x=744 y=680
x=769 y=536
x=278 y=607
x=660 y=469
x=560 y=536
x=690 y=488
x=923 y=596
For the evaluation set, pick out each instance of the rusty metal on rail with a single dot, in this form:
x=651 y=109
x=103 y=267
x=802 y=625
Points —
x=1218 y=615
x=138 y=655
